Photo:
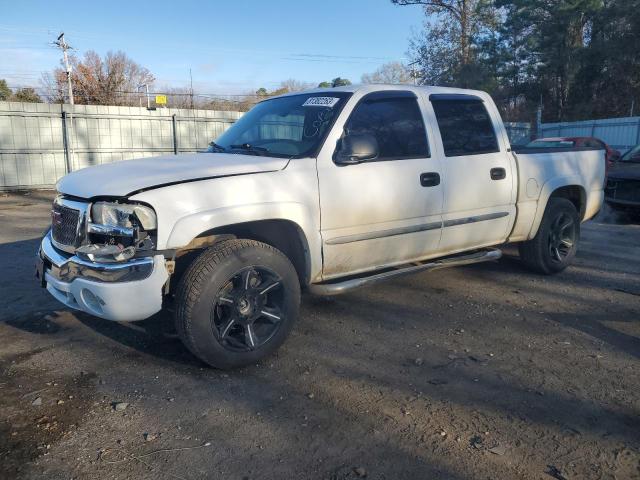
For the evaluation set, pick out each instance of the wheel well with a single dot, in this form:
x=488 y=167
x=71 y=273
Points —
x=575 y=194
x=284 y=235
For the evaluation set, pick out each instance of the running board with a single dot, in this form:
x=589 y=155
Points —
x=338 y=287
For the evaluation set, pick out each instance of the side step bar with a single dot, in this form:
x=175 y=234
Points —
x=338 y=287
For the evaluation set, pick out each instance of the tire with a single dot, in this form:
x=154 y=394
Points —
x=555 y=245
x=237 y=303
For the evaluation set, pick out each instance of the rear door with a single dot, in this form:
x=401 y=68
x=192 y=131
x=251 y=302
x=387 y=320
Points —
x=479 y=172
x=386 y=211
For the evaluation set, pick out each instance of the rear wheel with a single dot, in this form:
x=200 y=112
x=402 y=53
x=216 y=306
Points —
x=237 y=303
x=555 y=245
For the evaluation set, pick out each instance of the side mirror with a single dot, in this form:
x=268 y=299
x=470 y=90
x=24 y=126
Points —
x=356 y=149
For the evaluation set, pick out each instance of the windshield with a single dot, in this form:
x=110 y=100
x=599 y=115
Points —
x=551 y=144
x=293 y=126
x=632 y=155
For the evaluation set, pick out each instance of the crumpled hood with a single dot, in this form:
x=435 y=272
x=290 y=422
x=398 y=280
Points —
x=120 y=179
x=625 y=170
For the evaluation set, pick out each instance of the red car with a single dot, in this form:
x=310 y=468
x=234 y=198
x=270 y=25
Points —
x=611 y=156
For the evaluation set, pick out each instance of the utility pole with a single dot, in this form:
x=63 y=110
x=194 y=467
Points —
x=539 y=119
x=146 y=89
x=60 y=43
x=191 y=91
x=414 y=74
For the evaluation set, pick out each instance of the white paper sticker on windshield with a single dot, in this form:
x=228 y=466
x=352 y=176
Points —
x=320 y=102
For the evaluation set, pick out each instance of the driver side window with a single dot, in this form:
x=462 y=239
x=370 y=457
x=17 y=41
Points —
x=395 y=120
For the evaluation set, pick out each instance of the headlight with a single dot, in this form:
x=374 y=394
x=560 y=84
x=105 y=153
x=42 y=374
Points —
x=123 y=215
x=116 y=231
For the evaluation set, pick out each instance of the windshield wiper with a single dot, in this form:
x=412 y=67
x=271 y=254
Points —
x=250 y=148
x=216 y=147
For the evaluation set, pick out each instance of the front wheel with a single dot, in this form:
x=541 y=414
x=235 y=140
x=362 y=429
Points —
x=237 y=303
x=554 y=246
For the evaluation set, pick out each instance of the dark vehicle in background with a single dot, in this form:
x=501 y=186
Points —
x=622 y=191
x=611 y=156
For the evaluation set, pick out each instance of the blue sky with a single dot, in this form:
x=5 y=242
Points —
x=231 y=46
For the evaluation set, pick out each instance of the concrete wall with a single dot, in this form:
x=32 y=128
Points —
x=35 y=152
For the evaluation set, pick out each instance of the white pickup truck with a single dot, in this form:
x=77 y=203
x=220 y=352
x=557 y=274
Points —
x=325 y=190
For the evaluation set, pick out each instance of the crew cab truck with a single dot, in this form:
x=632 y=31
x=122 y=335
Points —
x=325 y=190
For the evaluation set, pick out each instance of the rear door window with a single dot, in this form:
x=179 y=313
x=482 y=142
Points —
x=465 y=126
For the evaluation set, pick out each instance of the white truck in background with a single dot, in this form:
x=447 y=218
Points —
x=325 y=190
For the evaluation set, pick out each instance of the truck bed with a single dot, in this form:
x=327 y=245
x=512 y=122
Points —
x=542 y=170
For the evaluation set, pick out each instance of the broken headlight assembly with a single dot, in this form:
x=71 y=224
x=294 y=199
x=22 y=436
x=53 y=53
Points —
x=116 y=232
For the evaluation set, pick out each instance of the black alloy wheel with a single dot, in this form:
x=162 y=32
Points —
x=237 y=302
x=562 y=237
x=248 y=311
x=555 y=244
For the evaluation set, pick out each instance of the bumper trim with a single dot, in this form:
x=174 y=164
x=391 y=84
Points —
x=67 y=268
x=104 y=290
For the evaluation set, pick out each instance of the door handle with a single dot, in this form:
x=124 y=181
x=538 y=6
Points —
x=498 y=173
x=429 y=179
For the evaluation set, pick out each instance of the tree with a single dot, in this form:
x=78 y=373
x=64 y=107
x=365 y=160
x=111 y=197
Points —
x=340 y=82
x=446 y=50
x=607 y=80
x=292 y=85
x=112 y=80
x=549 y=41
x=392 y=72
x=577 y=59
x=336 y=82
x=5 y=91
x=286 y=86
x=26 y=94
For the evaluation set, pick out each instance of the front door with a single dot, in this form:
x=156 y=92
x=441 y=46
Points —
x=386 y=211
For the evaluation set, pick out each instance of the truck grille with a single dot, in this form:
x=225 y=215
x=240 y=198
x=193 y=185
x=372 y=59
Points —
x=64 y=224
x=627 y=190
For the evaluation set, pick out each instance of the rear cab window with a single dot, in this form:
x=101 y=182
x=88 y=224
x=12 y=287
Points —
x=466 y=128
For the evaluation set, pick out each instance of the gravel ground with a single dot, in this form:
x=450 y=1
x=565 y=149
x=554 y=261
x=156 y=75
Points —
x=480 y=372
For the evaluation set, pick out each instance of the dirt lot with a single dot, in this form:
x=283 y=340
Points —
x=482 y=372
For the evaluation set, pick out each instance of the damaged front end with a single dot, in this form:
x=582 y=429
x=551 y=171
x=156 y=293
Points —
x=101 y=257
x=117 y=232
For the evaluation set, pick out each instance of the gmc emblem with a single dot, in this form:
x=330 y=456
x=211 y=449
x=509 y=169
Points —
x=56 y=218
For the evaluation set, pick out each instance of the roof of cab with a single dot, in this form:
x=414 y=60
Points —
x=375 y=87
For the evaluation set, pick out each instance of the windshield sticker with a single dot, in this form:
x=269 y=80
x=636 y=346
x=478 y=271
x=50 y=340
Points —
x=321 y=102
x=321 y=121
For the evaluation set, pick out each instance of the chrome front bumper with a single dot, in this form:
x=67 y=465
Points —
x=125 y=291
x=69 y=267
